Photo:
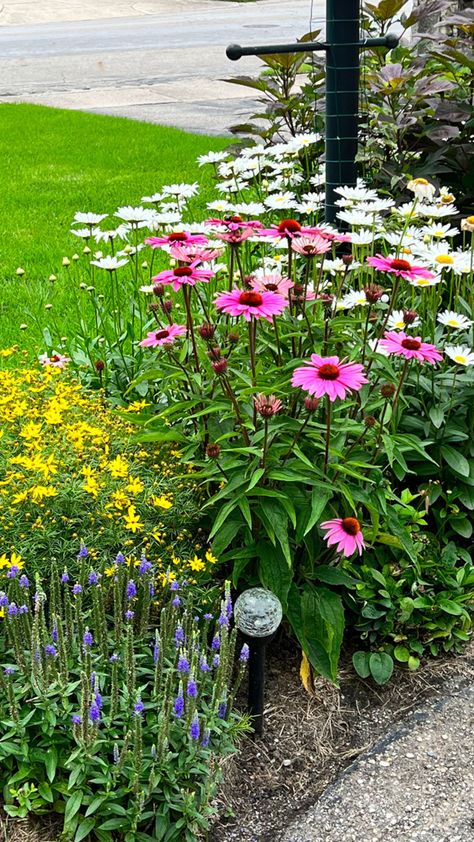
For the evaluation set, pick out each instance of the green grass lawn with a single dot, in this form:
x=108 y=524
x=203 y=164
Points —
x=54 y=163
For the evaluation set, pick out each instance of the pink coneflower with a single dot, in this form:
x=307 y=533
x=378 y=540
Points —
x=250 y=303
x=236 y=236
x=327 y=376
x=311 y=244
x=346 y=533
x=194 y=254
x=272 y=283
x=399 y=266
x=330 y=234
x=233 y=223
x=288 y=228
x=183 y=275
x=267 y=405
x=166 y=336
x=56 y=360
x=175 y=238
x=410 y=347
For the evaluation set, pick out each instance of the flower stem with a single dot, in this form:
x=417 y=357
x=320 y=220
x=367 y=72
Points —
x=328 y=434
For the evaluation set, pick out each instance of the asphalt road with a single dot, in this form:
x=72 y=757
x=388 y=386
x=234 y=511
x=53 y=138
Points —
x=164 y=67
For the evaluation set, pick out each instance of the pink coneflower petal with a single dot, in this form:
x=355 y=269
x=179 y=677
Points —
x=310 y=245
x=327 y=376
x=250 y=303
x=163 y=336
x=183 y=275
x=398 y=266
x=410 y=347
x=272 y=283
x=346 y=533
x=194 y=253
x=176 y=238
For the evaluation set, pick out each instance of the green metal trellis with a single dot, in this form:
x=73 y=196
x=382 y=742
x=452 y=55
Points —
x=342 y=47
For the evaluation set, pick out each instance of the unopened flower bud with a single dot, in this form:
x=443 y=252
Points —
x=311 y=404
x=409 y=316
x=233 y=338
x=20 y=271
x=214 y=353
x=75 y=257
x=86 y=250
x=387 y=390
x=373 y=293
x=370 y=421
x=99 y=365
x=206 y=331
x=347 y=259
x=52 y=278
x=48 y=306
x=144 y=265
x=267 y=405
x=65 y=261
x=167 y=305
x=159 y=290
x=213 y=451
x=220 y=366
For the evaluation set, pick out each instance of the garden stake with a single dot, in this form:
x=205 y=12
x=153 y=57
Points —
x=342 y=47
x=258 y=614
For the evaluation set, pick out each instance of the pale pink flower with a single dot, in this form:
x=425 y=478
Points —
x=248 y=303
x=272 y=283
x=398 y=266
x=175 y=238
x=288 y=228
x=236 y=236
x=327 y=376
x=346 y=533
x=310 y=245
x=164 y=336
x=194 y=254
x=56 y=360
x=234 y=223
x=410 y=347
x=183 y=275
x=267 y=405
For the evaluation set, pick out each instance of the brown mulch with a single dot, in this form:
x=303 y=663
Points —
x=308 y=741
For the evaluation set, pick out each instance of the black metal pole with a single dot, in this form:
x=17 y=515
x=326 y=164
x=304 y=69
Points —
x=342 y=97
x=256 y=694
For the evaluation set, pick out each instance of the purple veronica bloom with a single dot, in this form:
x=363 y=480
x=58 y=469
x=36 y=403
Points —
x=144 y=565
x=179 y=635
x=12 y=609
x=183 y=664
x=174 y=586
x=156 y=652
x=93 y=578
x=76 y=718
x=3 y=600
x=129 y=615
x=131 y=590
x=24 y=609
x=93 y=678
x=120 y=558
x=50 y=650
x=138 y=708
x=216 y=643
x=9 y=670
x=113 y=658
x=179 y=706
x=65 y=578
x=77 y=589
x=206 y=737
x=203 y=665
x=24 y=582
x=208 y=616
x=244 y=653
x=228 y=607
x=192 y=689
x=98 y=700
x=54 y=635
x=222 y=710
x=176 y=602
x=216 y=661
x=223 y=620
x=195 y=729
x=88 y=639
x=151 y=589
x=13 y=572
x=83 y=552
x=94 y=713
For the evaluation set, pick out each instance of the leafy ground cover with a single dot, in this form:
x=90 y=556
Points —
x=54 y=162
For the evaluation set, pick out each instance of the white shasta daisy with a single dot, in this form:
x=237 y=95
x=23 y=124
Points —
x=460 y=354
x=455 y=320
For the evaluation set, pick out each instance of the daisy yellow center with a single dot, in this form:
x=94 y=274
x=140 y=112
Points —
x=452 y=322
x=444 y=258
x=290 y=225
x=470 y=219
x=162 y=334
x=460 y=359
x=420 y=181
x=411 y=344
x=177 y=237
x=422 y=282
x=182 y=272
x=447 y=199
x=251 y=299
x=401 y=265
x=328 y=371
x=351 y=525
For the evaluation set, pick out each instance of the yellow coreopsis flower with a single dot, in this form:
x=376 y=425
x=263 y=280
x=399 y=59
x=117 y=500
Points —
x=196 y=564
x=118 y=467
x=132 y=520
x=161 y=502
x=211 y=558
x=135 y=485
x=40 y=492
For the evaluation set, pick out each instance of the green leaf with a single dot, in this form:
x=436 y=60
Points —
x=322 y=617
x=277 y=517
x=413 y=663
x=451 y=607
x=402 y=654
x=51 y=762
x=274 y=572
x=437 y=416
x=45 y=791
x=73 y=805
x=224 y=513
x=381 y=667
x=333 y=576
x=95 y=804
x=84 y=829
x=462 y=525
x=319 y=500
x=226 y=534
x=112 y=824
x=256 y=476
x=455 y=460
x=360 y=661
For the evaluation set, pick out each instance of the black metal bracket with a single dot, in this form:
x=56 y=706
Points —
x=235 y=51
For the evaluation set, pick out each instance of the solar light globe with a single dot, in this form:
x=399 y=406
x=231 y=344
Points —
x=258 y=613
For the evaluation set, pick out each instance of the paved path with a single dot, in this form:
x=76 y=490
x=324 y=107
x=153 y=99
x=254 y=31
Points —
x=161 y=61
x=416 y=785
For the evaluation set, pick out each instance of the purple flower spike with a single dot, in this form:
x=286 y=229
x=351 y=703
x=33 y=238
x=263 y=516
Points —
x=206 y=738
x=120 y=558
x=12 y=609
x=50 y=650
x=76 y=719
x=9 y=670
x=179 y=635
x=98 y=701
x=203 y=665
x=113 y=658
x=174 y=586
x=24 y=582
x=24 y=609
x=216 y=661
x=94 y=578
x=3 y=600
x=176 y=602
x=131 y=590
x=216 y=643
x=129 y=615
x=65 y=578
x=195 y=729
x=13 y=572
x=223 y=620
x=178 y=706
x=183 y=664
x=222 y=710
x=139 y=707
x=88 y=639
x=244 y=653
x=228 y=607
x=208 y=617
x=77 y=589
x=54 y=635
x=94 y=713
x=144 y=565
x=83 y=552
x=156 y=652
x=192 y=689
